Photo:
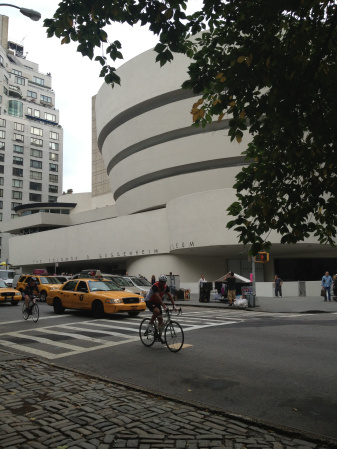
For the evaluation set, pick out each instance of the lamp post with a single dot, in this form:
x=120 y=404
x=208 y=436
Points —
x=33 y=15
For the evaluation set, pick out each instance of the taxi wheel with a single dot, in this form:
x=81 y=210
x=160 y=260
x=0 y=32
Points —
x=97 y=309
x=43 y=296
x=133 y=313
x=58 y=307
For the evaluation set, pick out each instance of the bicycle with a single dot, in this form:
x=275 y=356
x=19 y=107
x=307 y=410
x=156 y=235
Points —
x=33 y=309
x=172 y=334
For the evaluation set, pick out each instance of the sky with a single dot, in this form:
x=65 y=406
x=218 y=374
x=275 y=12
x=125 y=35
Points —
x=75 y=79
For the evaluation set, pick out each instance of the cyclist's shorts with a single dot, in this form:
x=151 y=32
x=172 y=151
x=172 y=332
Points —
x=151 y=306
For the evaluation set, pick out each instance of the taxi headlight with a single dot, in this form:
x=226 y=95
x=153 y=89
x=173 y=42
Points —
x=113 y=301
x=141 y=299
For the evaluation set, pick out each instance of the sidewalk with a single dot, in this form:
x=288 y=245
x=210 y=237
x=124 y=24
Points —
x=293 y=304
x=44 y=406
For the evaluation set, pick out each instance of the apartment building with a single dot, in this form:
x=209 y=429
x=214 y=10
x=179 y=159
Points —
x=31 y=138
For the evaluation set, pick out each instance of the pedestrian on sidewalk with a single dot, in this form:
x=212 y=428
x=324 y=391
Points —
x=326 y=284
x=278 y=284
x=334 y=287
x=230 y=278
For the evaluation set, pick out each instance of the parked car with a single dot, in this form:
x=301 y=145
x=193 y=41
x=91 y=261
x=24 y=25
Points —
x=98 y=296
x=9 y=294
x=7 y=276
x=142 y=286
x=124 y=283
x=44 y=284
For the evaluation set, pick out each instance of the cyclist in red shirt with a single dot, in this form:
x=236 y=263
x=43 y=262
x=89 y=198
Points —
x=154 y=302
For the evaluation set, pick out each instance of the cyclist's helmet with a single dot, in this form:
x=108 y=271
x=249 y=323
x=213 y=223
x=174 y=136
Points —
x=162 y=278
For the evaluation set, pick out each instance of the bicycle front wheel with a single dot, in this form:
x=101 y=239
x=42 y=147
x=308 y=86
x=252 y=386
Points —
x=147 y=337
x=174 y=336
x=24 y=312
x=35 y=312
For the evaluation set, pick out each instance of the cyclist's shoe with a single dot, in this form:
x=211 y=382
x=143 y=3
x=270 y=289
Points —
x=149 y=330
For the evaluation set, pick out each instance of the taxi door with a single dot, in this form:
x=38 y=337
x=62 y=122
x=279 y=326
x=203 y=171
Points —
x=68 y=292
x=81 y=297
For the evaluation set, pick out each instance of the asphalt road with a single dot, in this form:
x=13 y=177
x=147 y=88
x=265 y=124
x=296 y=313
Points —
x=279 y=368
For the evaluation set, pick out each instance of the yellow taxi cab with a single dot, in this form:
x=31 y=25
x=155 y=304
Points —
x=44 y=284
x=100 y=296
x=9 y=294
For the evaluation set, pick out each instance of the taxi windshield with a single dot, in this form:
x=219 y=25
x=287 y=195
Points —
x=102 y=286
x=49 y=280
x=3 y=284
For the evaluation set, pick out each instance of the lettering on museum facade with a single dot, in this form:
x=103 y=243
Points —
x=113 y=255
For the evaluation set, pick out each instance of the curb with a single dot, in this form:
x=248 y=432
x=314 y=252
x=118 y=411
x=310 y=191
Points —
x=283 y=430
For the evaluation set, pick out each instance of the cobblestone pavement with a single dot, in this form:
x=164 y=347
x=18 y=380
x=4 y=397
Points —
x=47 y=406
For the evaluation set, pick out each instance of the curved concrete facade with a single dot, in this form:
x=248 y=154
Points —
x=171 y=185
x=151 y=151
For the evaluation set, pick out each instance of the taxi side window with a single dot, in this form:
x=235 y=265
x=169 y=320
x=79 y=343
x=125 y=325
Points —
x=82 y=287
x=70 y=286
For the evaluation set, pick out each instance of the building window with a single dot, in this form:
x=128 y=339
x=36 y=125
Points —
x=14 y=205
x=1 y=193
x=50 y=117
x=1 y=181
x=0 y=220
x=16 y=195
x=6 y=79
x=2 y=134
x=36 y=164
x=31 y=94
x=53 y=178
x=29 y=111
x=18 y=149
x=36 y=142
x=45 y=99
x=35 y=186
x=16 y=72
x=36 y=131
x=37 y=114
x=35 y=197
x=17 y=183
x=38 y=80
x=19 y=127
x=17 y=160
x=5 y=90
x=2 y=145
x=20 y=80
x=1 y=204
x=1 y=169
x=2 y=157
x=35 y=175
x=53 y=135
x=53 y=189
x=53 y=146
x=17 y=171
x=18 y=137
x=2 y=122
x=36 y=153
x=52 y=199
x=15 y=108
x=53 y=157
x=53 y=167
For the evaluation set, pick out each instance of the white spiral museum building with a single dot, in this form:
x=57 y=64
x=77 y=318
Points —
x=160 y=191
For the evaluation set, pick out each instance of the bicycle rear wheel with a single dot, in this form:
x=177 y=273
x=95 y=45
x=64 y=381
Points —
x=25 y=314
x=174 y=336
x=147 y=338
x=35 y=312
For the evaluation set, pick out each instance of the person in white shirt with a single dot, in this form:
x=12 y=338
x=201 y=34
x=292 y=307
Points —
x=201 y=281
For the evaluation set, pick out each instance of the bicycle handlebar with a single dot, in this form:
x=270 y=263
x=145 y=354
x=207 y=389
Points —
x=178 y=311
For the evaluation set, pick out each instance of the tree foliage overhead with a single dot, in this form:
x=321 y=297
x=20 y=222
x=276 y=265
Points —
x=269 y=66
